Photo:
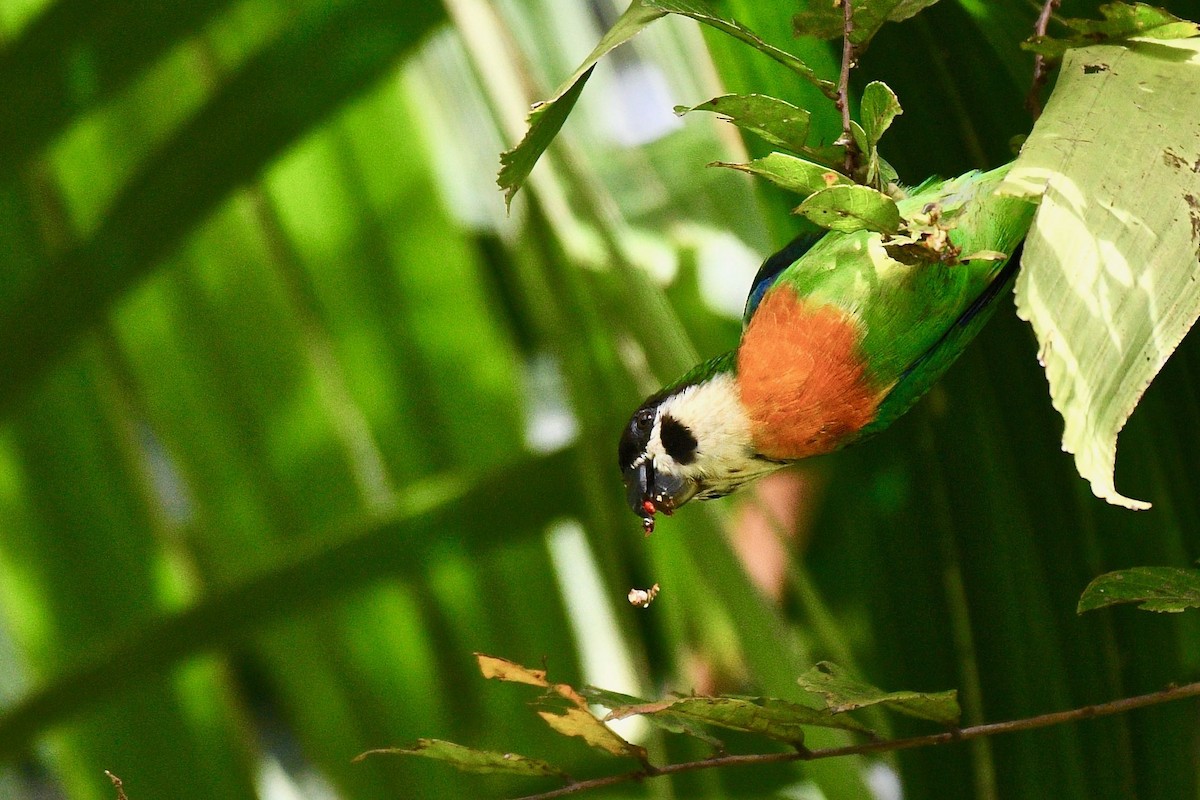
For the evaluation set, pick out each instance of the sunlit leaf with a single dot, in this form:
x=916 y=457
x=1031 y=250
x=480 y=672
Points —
x=1108 y=278
x=791 y=173
x=823 y=19
x=1153 y=588
x=777 y=121
x=852 y=208
x=777 y=719
x=582 y=723
x=468 y=759
x=844 y=693
x=1120 y=21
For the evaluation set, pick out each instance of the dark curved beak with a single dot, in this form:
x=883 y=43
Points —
x=649 y=491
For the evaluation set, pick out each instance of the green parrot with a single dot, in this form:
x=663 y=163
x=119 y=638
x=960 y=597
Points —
x=843 y=333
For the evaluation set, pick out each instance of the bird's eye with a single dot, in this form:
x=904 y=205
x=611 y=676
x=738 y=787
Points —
x=635 y=437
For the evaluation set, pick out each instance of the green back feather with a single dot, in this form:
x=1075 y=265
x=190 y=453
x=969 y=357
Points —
x=912 y=316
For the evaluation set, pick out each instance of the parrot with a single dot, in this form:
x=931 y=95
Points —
x=843 y=332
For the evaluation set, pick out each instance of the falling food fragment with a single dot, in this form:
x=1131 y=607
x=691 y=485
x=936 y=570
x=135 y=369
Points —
x=118 y=785
x=643 y=597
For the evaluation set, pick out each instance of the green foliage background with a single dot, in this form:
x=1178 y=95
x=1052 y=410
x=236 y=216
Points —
x=270 y=357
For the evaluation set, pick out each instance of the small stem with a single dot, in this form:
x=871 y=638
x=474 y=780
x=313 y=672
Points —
x=843 y=90
x=888 y=745
x=1032 y=102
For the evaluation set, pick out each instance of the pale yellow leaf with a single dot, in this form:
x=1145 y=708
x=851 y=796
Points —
x=501 y=669
x=580 y=722
x=1109 y=274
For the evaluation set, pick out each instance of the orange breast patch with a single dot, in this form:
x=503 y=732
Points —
x=801 y=378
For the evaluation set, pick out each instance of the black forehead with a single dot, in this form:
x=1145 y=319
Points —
x=633 y=442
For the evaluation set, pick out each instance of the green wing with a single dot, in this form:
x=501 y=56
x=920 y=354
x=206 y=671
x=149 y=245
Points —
x=775 y=266
x=917 y=318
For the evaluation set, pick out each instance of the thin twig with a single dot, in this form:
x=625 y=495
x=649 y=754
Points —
x=882 y=746
x=1032 y=102
x=843 y=90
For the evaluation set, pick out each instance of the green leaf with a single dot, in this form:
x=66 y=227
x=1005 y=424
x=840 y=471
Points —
x=704 y=13
x=791 y=173
x=852 y=208
x=843 y=693
x=674 y=723
x=879 y=108
x=777 y=121
x=776 y=719
x=1120 y=21
x=824 y=20
x=547 y=118
x=468 y=759
x=1108 y=274
x=1153 y=588
x=883 y=173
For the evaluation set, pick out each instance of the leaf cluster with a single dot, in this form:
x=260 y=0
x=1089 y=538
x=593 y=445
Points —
x=823 y=19
x=830 y=198
x=835 y=692
x=1120 y=21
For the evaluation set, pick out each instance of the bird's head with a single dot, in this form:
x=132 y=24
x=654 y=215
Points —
x=693 y=440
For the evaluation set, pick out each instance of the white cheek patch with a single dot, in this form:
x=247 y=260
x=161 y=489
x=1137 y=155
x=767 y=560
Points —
x=654 y=448
x=712 y=411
